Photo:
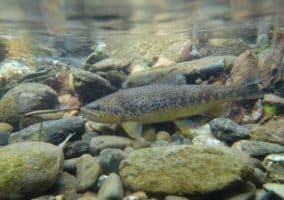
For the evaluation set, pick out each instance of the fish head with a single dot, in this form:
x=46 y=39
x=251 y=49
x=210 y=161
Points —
x=103 y=110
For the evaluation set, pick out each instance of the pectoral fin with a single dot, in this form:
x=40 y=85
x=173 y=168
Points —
x=133 y=129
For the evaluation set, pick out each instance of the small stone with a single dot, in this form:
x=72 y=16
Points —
x=149 y=134
x=88 y=196
x=109 y=160
x=95 y=57
x=88 y=171
x=160 y=143
x=206 y=140
x=108 y=141
x=163 y=62
x=277 y=189
x=263 y=195
x=227 y=130
x=70 y=165
x=258 y=177
x=172 y=197
x=28 y=168
x=245 y=192
x=154 y=169
x=75 y=149
x=66 y=185
x=4 y=137
x=104 y=129
x=138 y=68
x=5 y=128
x=111 y=188
x=177 y=138
x=137 y=196
x=110 y=64
x=274 y=164
x=258 y=148
x=163 y=135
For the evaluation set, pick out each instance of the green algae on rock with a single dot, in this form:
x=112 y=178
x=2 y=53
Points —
x=183 y=169
x=28 y=168
x=26 y=98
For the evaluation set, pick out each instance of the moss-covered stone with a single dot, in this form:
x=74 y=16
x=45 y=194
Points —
x=186 y=169
x=28 y=168
x=26 y=98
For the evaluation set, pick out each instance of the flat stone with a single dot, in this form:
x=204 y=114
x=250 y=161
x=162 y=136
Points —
x=111 y=188
x=277 y=189
x=227 y=130
x=108 y=141
x=258 y=148
x=88 y=171
x=181 y=168
x=172 y=197
x=274 y=164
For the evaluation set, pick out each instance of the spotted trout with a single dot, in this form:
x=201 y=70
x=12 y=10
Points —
x=161 y=103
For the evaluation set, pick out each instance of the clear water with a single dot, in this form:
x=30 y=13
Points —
x=69 y=29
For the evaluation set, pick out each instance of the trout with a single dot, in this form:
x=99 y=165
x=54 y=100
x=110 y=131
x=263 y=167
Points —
x=161 y=103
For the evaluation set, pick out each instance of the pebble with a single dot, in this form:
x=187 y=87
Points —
x=28 y=168
x=87 y=172
x=5 y=127
x=263 y=195
x=108 y=141
x=66 y=185
x=206 y=140
x=112 y=188
x=149 y=134
x=172 y=197
x=110 y=64
x=276 y=188
x=88 y=196
x=137 y=196
x=274 y=165
x=70 y=165
x=218 y=167
x=258 y=148
x=227 y=130
x=104 y=129
x=4 y=137
x=109 y=160
x=163 y=135
x=26 y=98
x=76 y=149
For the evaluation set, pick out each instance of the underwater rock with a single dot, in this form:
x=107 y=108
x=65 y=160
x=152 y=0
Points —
x=110 y=64
x=149 y=134
x=26 y=98
x=112 y=188
x=5 y=128
x=172 y=197
x=70 y=165
x=163 y=62
x=115 y=77
x=28 y=168
x=258 y=148
x=89 y=86
x=109 y=160
x=222 y=46
x=137 y=196
x=227 y=130
x=75 y=149
x=66 y=185
x=144 y=48
x=192 y=70
x=103 y=129
x=88 y=171
x=272 y=131
x=181 y=168
x=4 y=137
x=94 y=57
x=274 y=165
x=108 y=141
x=52 y=131
x=88 y=196
x=206 y=140
x=277 y=189
x=261 y=194
x=245 y=68
x=163 y=135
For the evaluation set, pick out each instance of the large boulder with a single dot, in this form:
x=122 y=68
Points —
x=28 y=168
x=183 y=169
